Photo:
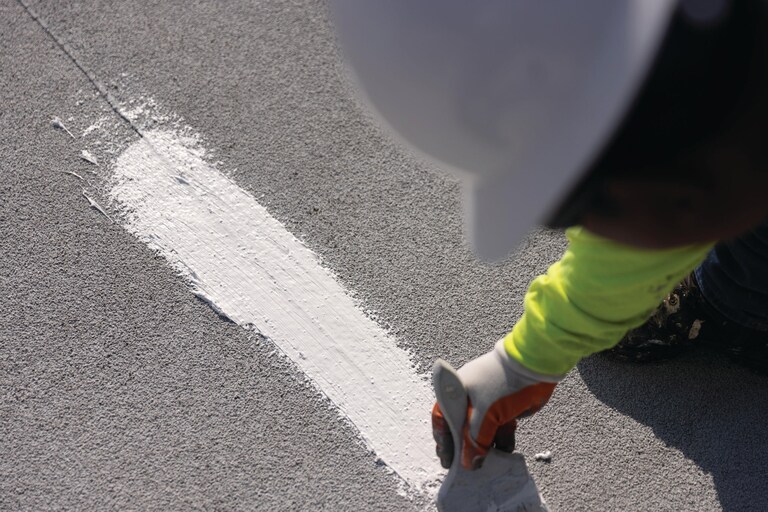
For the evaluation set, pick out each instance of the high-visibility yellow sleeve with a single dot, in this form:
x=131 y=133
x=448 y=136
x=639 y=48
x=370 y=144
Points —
x=589 y=299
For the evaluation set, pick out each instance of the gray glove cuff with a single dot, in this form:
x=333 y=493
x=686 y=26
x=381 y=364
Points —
x=522 y=370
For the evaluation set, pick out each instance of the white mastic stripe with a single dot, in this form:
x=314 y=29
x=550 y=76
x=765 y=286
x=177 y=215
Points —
x=251 y=269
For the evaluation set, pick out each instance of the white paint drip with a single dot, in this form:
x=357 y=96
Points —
x=245 y=264
x=57 y=123
x=88 y=157
x=96 y=206
x=71 y=173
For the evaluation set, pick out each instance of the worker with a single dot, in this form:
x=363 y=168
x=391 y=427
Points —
x=638 y=126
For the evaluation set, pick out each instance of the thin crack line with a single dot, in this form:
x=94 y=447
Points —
x=113 y=103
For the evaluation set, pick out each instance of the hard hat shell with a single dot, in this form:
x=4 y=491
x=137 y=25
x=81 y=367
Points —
x=515 y=96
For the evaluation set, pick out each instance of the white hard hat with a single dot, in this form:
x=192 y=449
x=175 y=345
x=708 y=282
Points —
x=516 y=96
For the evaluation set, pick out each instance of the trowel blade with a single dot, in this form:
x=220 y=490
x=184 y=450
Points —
x=502 y=484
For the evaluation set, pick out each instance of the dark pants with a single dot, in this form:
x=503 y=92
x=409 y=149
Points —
x=734 y=279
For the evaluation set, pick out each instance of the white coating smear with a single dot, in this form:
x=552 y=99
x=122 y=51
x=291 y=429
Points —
x=245 y=264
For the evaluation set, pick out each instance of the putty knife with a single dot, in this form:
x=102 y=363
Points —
x=502 y=484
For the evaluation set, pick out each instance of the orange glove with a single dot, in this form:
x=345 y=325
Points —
x=500 y=390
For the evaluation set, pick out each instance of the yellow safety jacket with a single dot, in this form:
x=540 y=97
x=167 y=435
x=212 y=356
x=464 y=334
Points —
x=589 y=299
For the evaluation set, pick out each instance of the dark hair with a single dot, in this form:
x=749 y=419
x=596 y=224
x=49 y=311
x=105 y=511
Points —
x=703 y=76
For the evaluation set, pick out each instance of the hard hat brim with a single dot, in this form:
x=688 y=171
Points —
x=518 y=98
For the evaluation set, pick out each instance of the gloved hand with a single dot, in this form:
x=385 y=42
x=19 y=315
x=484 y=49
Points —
x=500 y=390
